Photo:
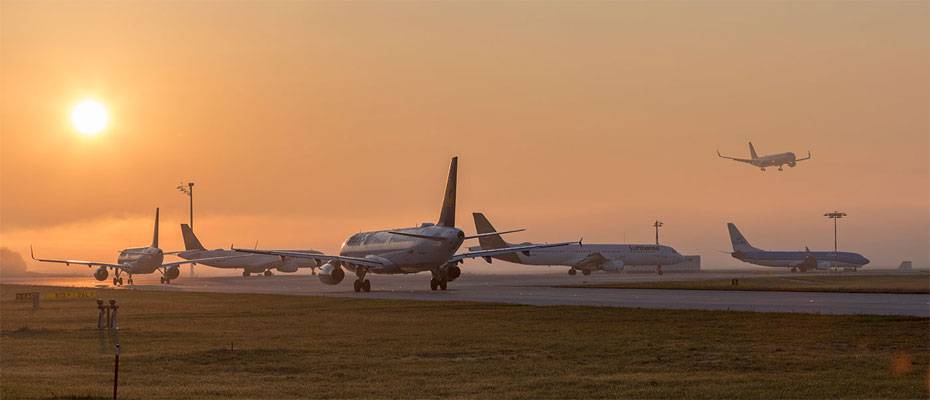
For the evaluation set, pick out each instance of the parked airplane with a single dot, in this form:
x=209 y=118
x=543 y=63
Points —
x=249 y=263
x=796 y=260
x=137 y=260
x=580 y=257
x=779 y=160
x=428 y=247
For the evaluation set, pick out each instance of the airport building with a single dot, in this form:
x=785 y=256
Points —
x=691 y=264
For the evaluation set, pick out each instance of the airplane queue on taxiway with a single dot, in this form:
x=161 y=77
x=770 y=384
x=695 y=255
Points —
x=434 y=248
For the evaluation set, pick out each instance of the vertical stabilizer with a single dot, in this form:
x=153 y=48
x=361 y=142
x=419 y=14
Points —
x=155 y=234
x=190 y=240
x=752 y=151
x=447 y=216
x=740 y=244
x=482 y=225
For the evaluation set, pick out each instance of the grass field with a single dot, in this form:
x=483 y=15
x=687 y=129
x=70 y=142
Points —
x=193 y=345
x=850 y=283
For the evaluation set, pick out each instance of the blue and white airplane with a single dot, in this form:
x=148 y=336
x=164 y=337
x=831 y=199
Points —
x=796 y=260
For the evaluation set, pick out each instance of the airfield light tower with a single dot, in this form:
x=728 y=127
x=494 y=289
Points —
x=657 y=225
x=188 y=189
x=835 y=215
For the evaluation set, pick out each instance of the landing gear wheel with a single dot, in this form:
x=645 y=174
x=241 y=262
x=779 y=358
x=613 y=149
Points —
x=366 y=285
x=268 y=273
x=115 y=282
x=130 y=281
x=121 y=281
x=586 y=272
x=572 y=271
x=443 y=284
x=246 y=274
x=163 y=280
x=433 y=284
x=357 y=285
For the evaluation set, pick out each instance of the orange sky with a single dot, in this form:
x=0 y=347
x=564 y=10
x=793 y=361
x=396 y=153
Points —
x=304 y=122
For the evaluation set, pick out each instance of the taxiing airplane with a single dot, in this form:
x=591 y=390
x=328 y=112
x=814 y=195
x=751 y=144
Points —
x=579 y=257
x=774 y=160
x=428 y=247
x=796 y=260
x=133 y=261
x=249 y=263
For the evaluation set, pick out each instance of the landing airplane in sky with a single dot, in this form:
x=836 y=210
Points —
x=584 y=257
x=428 y=247
x=138 y=260
x=774 y=160
x=249 y=263
x=796 y=260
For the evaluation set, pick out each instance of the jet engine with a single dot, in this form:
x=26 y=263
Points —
x=613 y=266
x=792 y=164
x=824 y=264
x=101 y=274
x=331 y=274
x=289 y=265
x=172 y=273
x=453 y=272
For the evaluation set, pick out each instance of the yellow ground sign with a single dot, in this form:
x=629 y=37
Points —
x=70 y=295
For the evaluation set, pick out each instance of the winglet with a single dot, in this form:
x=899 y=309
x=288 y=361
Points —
x=581 y=242
x=32 y=253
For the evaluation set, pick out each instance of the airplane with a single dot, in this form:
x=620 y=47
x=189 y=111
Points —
x=779 y=160
x=133 y=261
x=796 y=260
x=579 y=257
x=249 y=263
x=428 y=247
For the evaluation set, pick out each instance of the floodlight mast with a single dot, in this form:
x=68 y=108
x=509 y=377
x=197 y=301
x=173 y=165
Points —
x=835 y=215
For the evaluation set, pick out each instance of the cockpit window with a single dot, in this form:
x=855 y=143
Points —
x=376 y=238
x=356 y=239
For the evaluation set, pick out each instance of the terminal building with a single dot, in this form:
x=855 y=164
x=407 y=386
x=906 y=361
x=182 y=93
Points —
x=690 y=264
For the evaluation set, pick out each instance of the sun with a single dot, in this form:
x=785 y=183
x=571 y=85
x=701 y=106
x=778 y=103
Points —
x=89 y=117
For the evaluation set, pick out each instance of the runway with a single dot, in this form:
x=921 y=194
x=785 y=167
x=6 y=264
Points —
x=537 y=289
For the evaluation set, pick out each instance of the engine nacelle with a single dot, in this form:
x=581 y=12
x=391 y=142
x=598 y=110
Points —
x=613 y=266
x=172 y=273
x=101 y=274
x=331 y=274
x=792 y=164
x=289 y=265
x=453 y=272
x=824 y=264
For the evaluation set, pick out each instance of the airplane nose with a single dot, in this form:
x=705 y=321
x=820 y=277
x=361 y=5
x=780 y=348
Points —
x=865 y=261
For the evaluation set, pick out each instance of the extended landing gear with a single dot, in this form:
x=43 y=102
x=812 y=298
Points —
x=794 y=269
x=118 y=281
x=438 y=284
x=165 y=281
x=763 y=169
x=586 y=272
x=268 y=272
x=780 y=168
x=572 y=271
x=246 y=274
x=130 y=280
x=362 y=285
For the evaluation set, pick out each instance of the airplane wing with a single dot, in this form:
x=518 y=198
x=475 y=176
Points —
x=76 y=262
x=733 y=158
x=525 y=249
x=591 y=260
x=318 y=256
x=197 y=260
x=805 y=158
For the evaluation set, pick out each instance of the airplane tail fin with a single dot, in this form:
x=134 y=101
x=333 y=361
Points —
x=740 y=244
x=190 y=240
x=482 y=225
x=752 y=151
x=447 y=215
x=155 y=234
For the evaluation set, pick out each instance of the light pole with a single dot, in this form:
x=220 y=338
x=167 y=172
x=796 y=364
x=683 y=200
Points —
x=657 y=225
x=835 y=215
x=188 y=189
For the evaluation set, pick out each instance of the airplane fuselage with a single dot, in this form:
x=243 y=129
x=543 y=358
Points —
x=401 y=254
x=775 y=160
x=141 y=260
x=253 y=263
x=617 y=255
x=803 y=259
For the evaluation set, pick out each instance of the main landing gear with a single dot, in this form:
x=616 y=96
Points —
x=267 y=272
x=438 y=284
x=118 y=281
x=794 y=269
x=361 y=284
x=572 y=271
x=165 y=281
x=586 y=272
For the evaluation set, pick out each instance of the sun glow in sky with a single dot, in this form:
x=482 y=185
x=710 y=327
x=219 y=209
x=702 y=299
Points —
x=89 y=117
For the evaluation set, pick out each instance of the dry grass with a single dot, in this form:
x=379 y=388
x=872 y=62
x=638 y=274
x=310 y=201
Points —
x=198 y=345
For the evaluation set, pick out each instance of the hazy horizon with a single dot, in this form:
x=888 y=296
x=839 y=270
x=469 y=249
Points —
x=302 y=123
